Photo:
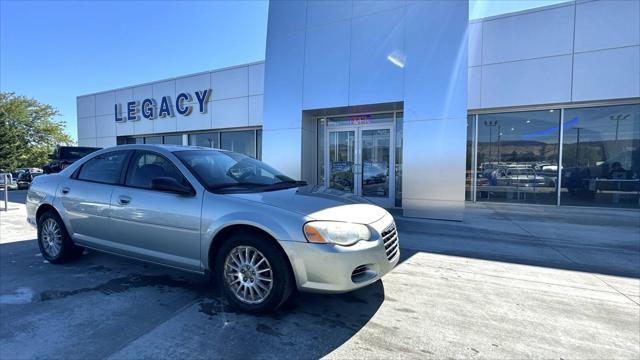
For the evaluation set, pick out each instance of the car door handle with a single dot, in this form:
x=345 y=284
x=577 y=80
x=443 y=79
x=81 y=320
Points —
x=64 y=190
x=124 y=200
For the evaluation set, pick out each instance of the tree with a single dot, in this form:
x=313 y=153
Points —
x=28 y=132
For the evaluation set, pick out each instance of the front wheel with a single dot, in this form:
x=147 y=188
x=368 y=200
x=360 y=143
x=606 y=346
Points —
x=53 y=240
x=253 y=273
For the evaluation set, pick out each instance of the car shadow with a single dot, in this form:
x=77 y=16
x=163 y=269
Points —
x=152 y=311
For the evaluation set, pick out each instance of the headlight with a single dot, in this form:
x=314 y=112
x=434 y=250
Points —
x=335 y=232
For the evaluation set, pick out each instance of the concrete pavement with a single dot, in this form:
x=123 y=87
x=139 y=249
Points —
x=508 y=282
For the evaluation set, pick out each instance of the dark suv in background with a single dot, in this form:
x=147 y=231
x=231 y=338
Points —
x=64 y=156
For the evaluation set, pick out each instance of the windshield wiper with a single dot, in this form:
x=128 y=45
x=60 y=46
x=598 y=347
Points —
x=285 y=184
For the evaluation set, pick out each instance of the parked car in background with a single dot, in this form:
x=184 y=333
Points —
x=519 y=176
x=25 y=178
x=260 y=233
x=64 y=156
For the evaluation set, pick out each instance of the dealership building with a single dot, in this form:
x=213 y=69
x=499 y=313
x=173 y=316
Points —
x=412 y=106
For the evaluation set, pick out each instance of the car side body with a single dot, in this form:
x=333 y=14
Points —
x=186 y=231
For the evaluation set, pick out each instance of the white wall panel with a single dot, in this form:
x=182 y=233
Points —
x=87 y=127
x=160 y=89
x=366 y=7
x=286 y=16
x=144 y=126
x=105 y=126
x=326 y=75
x=282 y=149
x=230 y=113
x=122 y=128
x=105 y=103
x=607 y=74
x=607 y=24
x=283 y=82
x=473 y=87
x=85 y=106
x=435 y=79
x=529 y=35
x=537 y=81
x=105 y=142
x=230 y=83
x=324 y=12
x=375 y=79
x=255 y=110
x=87 y=141
x=475 y=44
x=196 y=120
x=256 y=79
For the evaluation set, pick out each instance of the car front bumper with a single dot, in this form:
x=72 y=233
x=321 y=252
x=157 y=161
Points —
x=327 y=268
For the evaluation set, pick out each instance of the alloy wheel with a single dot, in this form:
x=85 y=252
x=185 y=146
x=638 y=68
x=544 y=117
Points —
x=248 y=274
x=51 y=237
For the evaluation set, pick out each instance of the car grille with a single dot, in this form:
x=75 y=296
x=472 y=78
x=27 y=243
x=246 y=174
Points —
x=391 y=244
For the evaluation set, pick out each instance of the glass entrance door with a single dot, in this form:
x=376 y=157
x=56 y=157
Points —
x=359 y=160
x=342 y=155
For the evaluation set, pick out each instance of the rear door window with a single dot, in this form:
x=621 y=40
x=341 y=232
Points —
x=104 y=168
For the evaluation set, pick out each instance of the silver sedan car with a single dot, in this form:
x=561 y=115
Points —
x=260 y=233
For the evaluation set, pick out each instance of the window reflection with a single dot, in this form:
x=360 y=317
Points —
x=518 y=157
x=243 y=142
x=209 y=139
x=601 y=156
x=468 y=195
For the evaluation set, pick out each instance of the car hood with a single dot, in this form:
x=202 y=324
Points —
x=319 y=204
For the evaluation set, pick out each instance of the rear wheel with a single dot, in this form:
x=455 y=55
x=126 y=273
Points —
x=253 y=273
x=54 y=241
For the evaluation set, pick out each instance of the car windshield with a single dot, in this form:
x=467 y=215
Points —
x=222 y=171
x=75 y=152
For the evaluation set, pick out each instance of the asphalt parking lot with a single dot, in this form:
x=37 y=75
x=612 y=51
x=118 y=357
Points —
x=508 y=282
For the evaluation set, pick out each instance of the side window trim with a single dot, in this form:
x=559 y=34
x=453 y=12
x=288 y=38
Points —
x=131 y=164
x=76 y=173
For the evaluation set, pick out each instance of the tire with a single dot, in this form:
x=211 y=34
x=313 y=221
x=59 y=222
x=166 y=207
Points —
x=231 y=282
x=54 y=241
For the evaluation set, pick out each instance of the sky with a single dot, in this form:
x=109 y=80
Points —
x=54 y=51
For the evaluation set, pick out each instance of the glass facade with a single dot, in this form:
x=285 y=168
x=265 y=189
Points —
x=516 y=155
x=601 y=156
x=468 y=193
x=239 y=141
x=362 y=154
x=209 y=139
x=248 y=142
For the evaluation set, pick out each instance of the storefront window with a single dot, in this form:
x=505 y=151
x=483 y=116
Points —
x=210 y=139
x=153 y=140
x=173 y=139
x=518 y=157
x=468 y=194
x=601 y=156
x=239 y=141
x=321 y=140
x=259 y=144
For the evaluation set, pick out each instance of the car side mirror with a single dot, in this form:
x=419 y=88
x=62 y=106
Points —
x=170 y=184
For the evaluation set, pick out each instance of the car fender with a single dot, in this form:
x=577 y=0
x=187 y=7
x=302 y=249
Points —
x=280 y=224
